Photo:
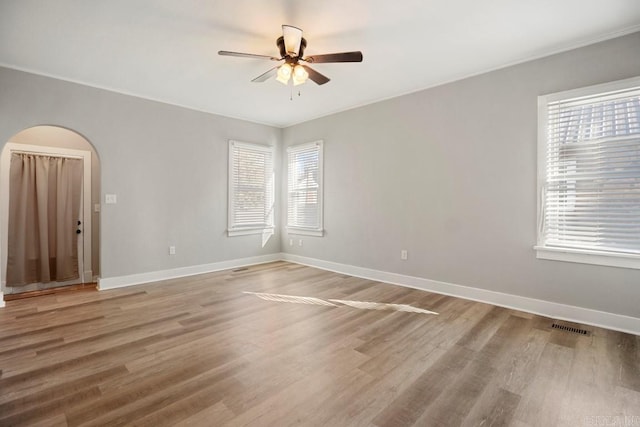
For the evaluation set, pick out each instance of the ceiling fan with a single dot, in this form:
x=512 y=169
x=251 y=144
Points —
x=291 y=45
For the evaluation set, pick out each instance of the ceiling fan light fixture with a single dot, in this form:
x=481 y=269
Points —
x=284 y=73
x=292 y=46
x=300 y=75
x=292 y=38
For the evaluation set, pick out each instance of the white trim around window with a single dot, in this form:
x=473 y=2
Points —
x=589 y=175
x=305 y=189
x=251 y=189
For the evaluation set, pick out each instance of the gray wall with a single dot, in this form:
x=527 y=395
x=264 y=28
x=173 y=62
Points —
x=167 y=165
x=449 y=174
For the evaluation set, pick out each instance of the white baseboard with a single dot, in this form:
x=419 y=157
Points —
x=554 y=310
x=1 y=299
x=550 y=309
x=155 y=276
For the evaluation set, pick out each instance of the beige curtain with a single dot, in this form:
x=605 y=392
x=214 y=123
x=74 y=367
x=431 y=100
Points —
x=44 y=204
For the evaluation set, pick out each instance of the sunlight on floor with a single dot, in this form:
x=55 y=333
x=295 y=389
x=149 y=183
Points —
x=364 y=305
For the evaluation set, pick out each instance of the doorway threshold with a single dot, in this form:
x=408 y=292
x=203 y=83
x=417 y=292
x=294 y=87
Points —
x=71 y=288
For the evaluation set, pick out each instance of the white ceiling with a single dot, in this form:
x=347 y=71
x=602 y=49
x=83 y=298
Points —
x=166 y=50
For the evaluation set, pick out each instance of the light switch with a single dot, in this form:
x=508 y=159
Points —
x=110 y=199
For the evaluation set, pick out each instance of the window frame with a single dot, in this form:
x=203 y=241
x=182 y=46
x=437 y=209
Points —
x=234 y=229
x=297 y=229
x=584 y=256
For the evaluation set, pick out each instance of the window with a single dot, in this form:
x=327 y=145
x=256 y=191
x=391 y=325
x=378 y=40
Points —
x=251 y=188
x=304 y=204
x=589 y=175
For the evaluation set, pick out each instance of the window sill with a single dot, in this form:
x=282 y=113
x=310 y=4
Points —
x=247 y=231
x=588 y=257
x=305 y=231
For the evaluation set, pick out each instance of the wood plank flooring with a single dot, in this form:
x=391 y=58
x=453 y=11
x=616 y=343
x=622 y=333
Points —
x=200 y=351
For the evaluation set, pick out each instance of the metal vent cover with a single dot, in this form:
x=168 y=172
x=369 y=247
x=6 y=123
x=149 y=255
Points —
x=570 y=329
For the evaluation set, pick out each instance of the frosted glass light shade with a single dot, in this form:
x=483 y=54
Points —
x=292 y=38
x=284 y=74
x=300 y=75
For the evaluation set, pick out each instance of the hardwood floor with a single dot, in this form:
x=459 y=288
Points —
x=201 y=351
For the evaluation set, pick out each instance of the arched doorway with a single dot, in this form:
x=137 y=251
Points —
x=60 y=142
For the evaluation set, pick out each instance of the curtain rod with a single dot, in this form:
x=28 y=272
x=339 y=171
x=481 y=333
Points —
x=39 y=153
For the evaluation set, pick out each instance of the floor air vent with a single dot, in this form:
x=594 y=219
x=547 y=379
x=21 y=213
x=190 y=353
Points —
x=239 y=269
x=570 y=329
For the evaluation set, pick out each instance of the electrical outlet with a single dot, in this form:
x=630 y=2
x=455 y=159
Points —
x=172 y=250
x=290 y=242
x=299 y=242
x=110 y=199
x=404 y=254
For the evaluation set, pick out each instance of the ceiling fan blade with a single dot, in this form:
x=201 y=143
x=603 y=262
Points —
x=318 y=78
x=292 y=38
x=266 y=76
x=335 y=57
x=247 y=55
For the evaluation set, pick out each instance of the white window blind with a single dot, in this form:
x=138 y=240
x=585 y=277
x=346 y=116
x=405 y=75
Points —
x=590 y=192
x=251 y=188
x=304 y=204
